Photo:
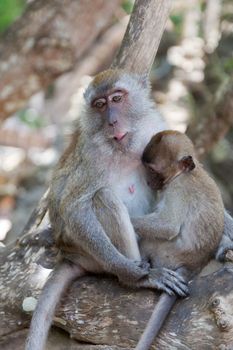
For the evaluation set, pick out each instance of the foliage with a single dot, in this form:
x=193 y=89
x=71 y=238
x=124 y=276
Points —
x=177 y=20
x=9 y=11
x=31 y=118
x=127 y=5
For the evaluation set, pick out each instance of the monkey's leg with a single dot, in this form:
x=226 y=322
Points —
x=43 y=315
x=85 y=231
x=114 y=218
x=226 y=242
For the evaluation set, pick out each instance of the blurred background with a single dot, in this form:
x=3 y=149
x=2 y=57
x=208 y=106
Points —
x=49 y=51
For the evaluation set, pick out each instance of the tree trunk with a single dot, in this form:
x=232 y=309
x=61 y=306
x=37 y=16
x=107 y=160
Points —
x=143 y=35
x=97 y=310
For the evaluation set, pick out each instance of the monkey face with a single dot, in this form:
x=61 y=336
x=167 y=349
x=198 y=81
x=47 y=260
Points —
x=155 y=180
x=165 y=158
x=116 y=103
x=111 y=107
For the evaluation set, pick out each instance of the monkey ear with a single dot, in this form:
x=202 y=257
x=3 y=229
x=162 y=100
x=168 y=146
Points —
x=187 y=164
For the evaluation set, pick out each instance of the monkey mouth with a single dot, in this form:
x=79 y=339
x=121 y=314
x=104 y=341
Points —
x=120 y=136
x=156 y=182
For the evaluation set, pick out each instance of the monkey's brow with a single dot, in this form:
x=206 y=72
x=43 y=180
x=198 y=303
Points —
x=103 y=93
x=104 y=89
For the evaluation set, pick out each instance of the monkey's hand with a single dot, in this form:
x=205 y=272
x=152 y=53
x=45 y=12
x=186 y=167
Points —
x=166 y=280
x=224 y=252
x=132 y=272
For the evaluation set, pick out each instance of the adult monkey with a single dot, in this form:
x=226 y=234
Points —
x=102 y=170
x=136 y=54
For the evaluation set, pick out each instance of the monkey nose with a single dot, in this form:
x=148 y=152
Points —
x=112 y=123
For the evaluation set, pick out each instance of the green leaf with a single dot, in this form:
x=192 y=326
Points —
x=31 y=118
x=127 y=5
x=9 y=11
x=177 y=19
x=228 y=65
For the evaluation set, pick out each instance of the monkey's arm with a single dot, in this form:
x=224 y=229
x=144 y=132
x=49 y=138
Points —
x=87 y=232
x=156 y=225
x=114 y=218
x=226 y=242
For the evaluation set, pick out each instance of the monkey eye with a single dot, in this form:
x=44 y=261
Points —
x=117 y=96
x=151 y=170
x=100 y=103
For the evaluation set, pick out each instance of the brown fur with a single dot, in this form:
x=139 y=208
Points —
x=185 y=230
x=110 y=76
x=186 y=227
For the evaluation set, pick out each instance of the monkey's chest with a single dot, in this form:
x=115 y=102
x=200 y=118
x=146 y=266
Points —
x=134 y=192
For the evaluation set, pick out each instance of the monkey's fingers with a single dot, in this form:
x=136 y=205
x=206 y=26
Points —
x=222 y=253
x=165 y=288
x=169 y=281
x=176 y=281
x=179 y=288
x=155 y=281
x=163 y=272
x=175 y=274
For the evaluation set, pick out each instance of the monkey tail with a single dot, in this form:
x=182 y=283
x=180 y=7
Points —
x=43 y=315
x=159 y=315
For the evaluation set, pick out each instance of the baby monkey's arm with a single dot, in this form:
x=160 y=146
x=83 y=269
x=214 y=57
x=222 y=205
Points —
x=156 y=226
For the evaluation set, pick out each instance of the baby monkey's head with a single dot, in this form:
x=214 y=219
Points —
x=168 y=154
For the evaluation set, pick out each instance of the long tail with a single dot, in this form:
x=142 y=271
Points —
x=159 y=315
x=51 y=294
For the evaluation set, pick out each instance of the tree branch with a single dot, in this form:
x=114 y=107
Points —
x=45 y=42
x=207 y=131
x=98 y=310
x=143 y=35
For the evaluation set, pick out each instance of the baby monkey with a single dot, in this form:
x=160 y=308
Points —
x=186 y=227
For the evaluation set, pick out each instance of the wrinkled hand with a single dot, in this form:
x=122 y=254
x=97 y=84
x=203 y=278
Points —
x=224 y=253
x=166 y=280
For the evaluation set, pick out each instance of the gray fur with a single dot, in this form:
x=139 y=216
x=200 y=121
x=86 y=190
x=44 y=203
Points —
x=94 y=161
x=91 y=166
x=43 y=315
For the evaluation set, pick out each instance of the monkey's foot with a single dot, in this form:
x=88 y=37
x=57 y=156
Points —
x=166 y=280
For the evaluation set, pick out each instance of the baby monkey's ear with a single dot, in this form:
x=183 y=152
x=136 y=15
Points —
x=187 y=164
